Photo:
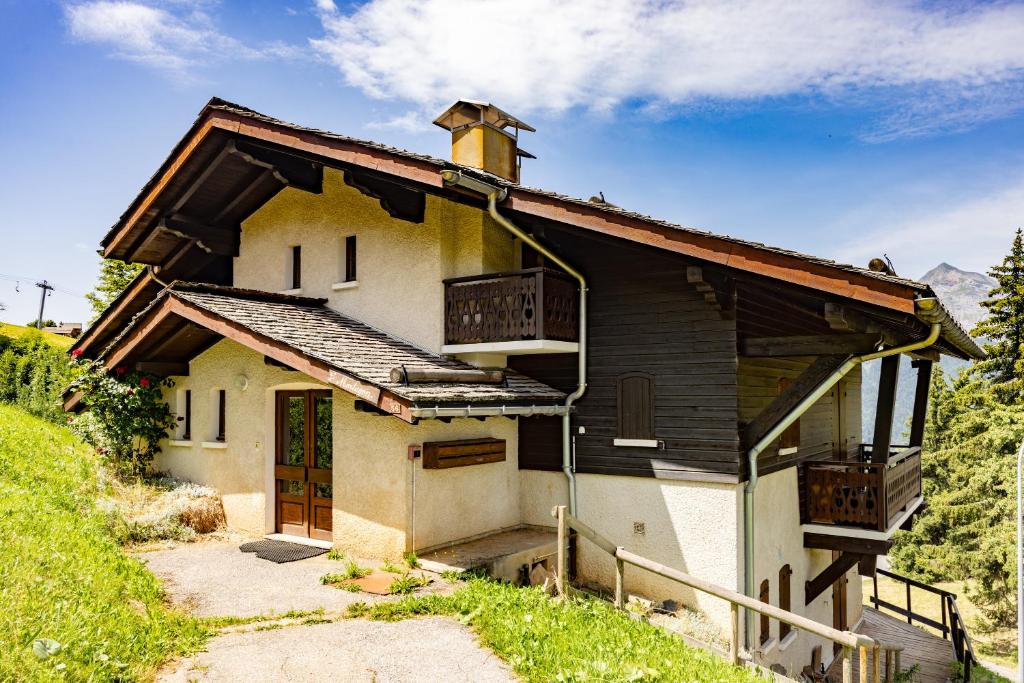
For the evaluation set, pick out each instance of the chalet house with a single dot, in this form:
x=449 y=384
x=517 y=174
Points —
x=387 y=352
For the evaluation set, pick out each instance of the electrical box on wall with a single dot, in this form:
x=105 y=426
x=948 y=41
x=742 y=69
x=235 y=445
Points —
x=415 y=451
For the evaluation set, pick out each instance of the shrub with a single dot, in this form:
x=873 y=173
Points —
x=34 y=374
x=129 y=412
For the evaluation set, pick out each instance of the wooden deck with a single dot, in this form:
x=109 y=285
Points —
x=932 y=655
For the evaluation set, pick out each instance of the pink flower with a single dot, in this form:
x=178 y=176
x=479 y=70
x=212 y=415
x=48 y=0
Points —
x=144 y=382
x=120 y=369
x=77 y=353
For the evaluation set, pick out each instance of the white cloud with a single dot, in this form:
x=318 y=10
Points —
x=173 y=37
x=973 y=234
x=929 y=67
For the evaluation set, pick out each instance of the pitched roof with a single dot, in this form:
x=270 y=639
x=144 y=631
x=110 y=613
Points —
x=422 y=171
x=346 y=345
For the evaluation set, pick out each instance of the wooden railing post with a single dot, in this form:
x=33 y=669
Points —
x=620 y=567
x=875 y=651
x=863 y=664
x=734 y=640
x=563 y=539
x=910 y=619
x=888 y=665
x=847 y=664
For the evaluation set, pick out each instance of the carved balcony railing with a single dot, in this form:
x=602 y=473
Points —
x=532 y=304
x=861 y=493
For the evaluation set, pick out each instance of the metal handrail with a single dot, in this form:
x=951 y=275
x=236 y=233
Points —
x=847 y=639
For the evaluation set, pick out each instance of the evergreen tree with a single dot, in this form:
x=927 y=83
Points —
x=1003 y=327
x=937 y=419
x=114 y=277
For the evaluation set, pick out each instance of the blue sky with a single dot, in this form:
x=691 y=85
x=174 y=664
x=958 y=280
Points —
x=845 y=129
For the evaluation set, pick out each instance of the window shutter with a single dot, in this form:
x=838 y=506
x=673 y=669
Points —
x=791 y=437
x=636 y=405
x=784 y=600
x=765 y=623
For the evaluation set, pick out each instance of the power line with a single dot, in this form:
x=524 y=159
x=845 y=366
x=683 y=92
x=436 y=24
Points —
x=19 y=279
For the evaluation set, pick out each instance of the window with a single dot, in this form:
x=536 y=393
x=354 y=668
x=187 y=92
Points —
x=185 y=414
x=789 y=442
x=221 y=412
x=784 y=601
x=635 y=393
x=350 y=258
x=296 y=281
x=765 y=622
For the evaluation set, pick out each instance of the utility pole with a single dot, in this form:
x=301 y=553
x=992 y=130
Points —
x=46 y=287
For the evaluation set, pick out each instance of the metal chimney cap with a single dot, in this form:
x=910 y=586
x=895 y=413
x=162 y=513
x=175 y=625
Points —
x=468 y=112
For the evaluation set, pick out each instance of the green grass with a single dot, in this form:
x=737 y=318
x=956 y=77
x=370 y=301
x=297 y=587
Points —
x=582 y=639
x=74 y=605
x=406 y=584
x=16 y=331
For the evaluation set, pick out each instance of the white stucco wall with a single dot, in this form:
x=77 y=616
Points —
x=239 y=470
x=375 y=511
x=778 y=541
x=400 y=265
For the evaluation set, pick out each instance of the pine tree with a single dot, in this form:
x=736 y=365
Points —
x=1003 y=327
x=937 y=418
x=114 y=277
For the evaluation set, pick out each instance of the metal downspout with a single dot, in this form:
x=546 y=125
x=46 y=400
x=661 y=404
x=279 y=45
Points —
x=495 y=195
x=776 y=431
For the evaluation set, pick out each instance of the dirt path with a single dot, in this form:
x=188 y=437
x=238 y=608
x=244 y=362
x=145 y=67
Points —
x=216 y=579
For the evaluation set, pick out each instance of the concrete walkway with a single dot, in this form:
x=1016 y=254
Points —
x=426 y=650
x=216 y=579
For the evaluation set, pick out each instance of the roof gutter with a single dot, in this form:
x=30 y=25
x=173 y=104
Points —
x=931 y=311
x=922 y=308
x=494 y=195
x=485 y=411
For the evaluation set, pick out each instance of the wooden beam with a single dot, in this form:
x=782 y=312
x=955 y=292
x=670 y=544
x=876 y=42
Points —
x=109 y=317
x=809 y=379
x=718 y=293
x=867 y=564
x=244 y=194
x=885 y=406
x=829 y=576
x=197 y=182
x=162 y=368
x=213 y=239
x=399 y=202
x=917 y=420
x=809 y=345
x=289 y=169
x=860 y=546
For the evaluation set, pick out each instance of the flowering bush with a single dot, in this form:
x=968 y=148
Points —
x=128 y=411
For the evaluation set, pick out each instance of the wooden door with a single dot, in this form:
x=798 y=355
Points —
x=839 y=611
x=302 y=470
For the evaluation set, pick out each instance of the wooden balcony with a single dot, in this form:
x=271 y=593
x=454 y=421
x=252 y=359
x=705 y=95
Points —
x=865 y=493
x=532 y=305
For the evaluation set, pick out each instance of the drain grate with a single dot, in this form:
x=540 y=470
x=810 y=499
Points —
x=280 y=551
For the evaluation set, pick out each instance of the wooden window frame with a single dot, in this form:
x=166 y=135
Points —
x=186 y=433
x=296 y=281
x=222 y=400
x=766 y=624
x=785 y=597
x=350 y=259
x=646 y=431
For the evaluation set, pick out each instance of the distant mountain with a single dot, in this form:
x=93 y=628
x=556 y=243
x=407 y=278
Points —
x=962 y=292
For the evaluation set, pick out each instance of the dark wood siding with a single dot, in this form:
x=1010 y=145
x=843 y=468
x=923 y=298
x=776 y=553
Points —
x=820 y=434
x=644 y=317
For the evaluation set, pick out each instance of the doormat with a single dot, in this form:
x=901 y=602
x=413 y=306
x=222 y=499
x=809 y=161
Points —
x=281 y=551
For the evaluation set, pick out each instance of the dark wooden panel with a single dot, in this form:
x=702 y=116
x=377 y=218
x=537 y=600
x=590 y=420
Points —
x=643 y=318
x=439 y=455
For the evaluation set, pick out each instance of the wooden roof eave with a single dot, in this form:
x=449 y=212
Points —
x=278 y=351
x=113 y=315
x=424 y=173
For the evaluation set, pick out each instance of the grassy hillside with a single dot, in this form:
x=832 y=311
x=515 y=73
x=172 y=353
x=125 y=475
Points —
x=18 y=331
x=75 y=607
